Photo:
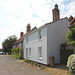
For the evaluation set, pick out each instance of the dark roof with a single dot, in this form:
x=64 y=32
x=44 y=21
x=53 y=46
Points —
x=31 y=30
x=34 y=28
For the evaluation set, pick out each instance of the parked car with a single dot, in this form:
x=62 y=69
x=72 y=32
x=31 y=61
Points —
x=9 y=53
x=1 y=53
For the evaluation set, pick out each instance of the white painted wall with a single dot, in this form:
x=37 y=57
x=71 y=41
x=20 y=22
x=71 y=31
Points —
x=34 y=43
x=56 y=35
x=53 y=35
x=19 y=45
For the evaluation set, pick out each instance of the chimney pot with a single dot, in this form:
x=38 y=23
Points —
x=56 y=14
x=28 y=28
x=21 y=34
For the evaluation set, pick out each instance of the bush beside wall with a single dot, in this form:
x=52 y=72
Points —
x=71 y=63
x=17 y=52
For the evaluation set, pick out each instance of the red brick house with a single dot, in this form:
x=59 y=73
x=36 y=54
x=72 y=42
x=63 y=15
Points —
x=19 y=42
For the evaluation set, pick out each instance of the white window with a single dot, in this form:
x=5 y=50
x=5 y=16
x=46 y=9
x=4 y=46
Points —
x=26 y=52
x=29 y=52
x=26 y=39
x=19 y=44
x=39 y=36
x=40 y=52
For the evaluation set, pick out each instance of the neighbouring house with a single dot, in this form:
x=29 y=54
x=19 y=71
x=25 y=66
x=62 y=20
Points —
x=67 y=50
x=70 y=18
x=19 y=42
x=45 y=41
x=72 y=23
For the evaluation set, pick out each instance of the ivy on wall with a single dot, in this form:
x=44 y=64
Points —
x=17 y=52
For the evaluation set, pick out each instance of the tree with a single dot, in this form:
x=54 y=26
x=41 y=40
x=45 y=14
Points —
x=71 y=37
x=8 y=43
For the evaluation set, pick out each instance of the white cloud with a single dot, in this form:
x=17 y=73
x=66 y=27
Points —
x=60 y=1
x=68 y=10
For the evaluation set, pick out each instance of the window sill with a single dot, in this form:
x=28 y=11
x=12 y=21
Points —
x=40 y=40
x=40 y=58
x=30 y=57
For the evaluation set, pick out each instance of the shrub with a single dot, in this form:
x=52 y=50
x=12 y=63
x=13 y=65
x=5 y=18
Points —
x=39 y=65
x=29 y=61
x=71 y=63
x=17 y=52
x=36 y=64
x=26 y=60
x=32 y=62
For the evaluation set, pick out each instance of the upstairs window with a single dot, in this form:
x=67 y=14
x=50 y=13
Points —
x=26 y=39
x=39 y=35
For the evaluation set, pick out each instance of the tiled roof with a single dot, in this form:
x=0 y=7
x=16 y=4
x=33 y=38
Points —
x=73 y=21
x=19 y=40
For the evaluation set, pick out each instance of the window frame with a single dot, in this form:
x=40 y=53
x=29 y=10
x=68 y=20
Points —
x=26 y=52
x=39 y=35
x=29 y=52
x=40 y=52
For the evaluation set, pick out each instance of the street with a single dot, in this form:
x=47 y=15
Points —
x=10 y=66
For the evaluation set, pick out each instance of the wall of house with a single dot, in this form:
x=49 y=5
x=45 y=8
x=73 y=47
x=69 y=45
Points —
x=56 y=36
x=34 y=43
x=19 y=45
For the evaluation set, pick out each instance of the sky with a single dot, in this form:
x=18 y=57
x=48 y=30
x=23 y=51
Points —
x=16 y=14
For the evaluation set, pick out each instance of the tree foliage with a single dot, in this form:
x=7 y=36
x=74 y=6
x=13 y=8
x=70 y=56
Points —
x=8 y=43
x=71 y=36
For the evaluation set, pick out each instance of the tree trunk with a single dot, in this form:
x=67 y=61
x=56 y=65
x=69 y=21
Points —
x=74 y=49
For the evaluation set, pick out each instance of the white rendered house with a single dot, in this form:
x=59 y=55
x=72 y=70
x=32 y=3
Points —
x=45 y=41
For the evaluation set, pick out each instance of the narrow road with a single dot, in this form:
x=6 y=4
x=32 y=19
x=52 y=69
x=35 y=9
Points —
x=11 y=66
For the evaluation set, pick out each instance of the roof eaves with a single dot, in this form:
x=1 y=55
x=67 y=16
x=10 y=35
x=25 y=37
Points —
x=43 y=26
x=35 y=30
x=19 y=40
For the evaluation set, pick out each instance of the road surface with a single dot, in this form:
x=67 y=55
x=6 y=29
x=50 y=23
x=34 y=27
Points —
x=10 y=66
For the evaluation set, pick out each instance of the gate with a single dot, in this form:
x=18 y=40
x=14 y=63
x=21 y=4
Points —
x=65 y=52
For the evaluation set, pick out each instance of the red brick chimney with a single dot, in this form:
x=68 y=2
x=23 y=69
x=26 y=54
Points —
x=28 y=28
x=70 y=18
x=56 y=14
x=21 y=34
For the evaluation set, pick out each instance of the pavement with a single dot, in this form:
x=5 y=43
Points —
x=11 y=66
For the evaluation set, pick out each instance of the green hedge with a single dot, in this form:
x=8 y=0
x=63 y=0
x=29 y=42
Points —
x=17 y=52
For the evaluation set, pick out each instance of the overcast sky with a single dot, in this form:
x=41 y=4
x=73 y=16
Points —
x=16 y=14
